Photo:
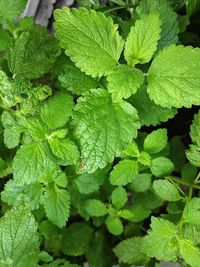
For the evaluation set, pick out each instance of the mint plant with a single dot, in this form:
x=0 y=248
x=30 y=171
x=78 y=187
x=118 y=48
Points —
x=92 y=167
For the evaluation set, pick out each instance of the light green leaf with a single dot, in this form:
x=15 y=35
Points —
x=28 y=163
x=6 y=39
x=55 y=112
x=99 y=40
x=195 y=129
x=102 y=128
x=161 y=166
x=191 y=212
x=33 y=54
x=155 y=141
x=65 y=149
x=193 y=155
x=114 y=225
x=95 y=207
x=161 y=241
x=141 y=182
x=189 y=252
x=144 y=159
x=11 y=9
x=132 y=150
x=129 y=251
x=124 y=81
x=174 y=77
x=76 y=238
x=124 y=172
x=149 y=113
x=119 y=197
x=191 y=232
x=57 y=205
x=139 y=213
x=166 y=190
x=73 y=79
x=143 y=39
x=19 y=241
x=36 y=128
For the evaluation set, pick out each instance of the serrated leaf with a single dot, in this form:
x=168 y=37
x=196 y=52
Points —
x=161 y=241
x=98 y=36
x=195 y=129
x=191 y=212
x=57 y=205
x=124 y=172
x=149 y=113
x=155 y=141
x=124 y=81
x=129 y=251
x=36 y=128
x=76 y=238
x=114 y=225
x=11 y=9
x=33 y=54
x=119 y=197
x=102 y=128
x=189 y=252
x=166 y=190
x=19 y=241
x=161 y=166
x=65 y=149
x=55 y=112
x=143 y=39
x=191 y=232
x=95 y=207
x=193 y=155
x=173 y=77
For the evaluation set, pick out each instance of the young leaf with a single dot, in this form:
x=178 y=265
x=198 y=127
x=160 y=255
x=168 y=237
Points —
x=193 y=155
x=11 y=9
x=141 y=182
x=33 y=54
x=124 y=172
x=189 y=252
x=166 y=190
x=161 y=166
x=155 y=141
x=114 y=225
x=119 y=197
x=55 y=112
x=124 y=81
x=173 y=78
x=99 y=40
x=19 y=242
x=57 y=205
x=129 y=251
x=102 y=128
x=161 y=241
x=142 y=40
x=191 y=213
x=95 y=207
x=28 y=163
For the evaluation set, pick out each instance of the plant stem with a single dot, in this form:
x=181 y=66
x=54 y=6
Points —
x=114 y=9
x=175 y=179
x=197 y=178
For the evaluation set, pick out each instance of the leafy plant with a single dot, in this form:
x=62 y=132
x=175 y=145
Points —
x=93 y=165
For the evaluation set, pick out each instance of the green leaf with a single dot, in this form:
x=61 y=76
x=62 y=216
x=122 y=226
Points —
x=193 y=155
x=191 y=232
x=33 y=54
x=192 y=6
x=174 y=77
x=161 y=166
x=74 y=80
x=166 y=190
x=65 y=149
x=142 y=40
x=156 y=141
x=55 y=112
x=36 y=128
x=139 y=213
x=95 y=207
x=124 y=172
x=28 y=163
x=6 y=39
x=19 y=242
x=129 y=251
x=161 y=241
x=148 y=199
x=114 y=225
x=102 y=128
x=57 y=205
x=76 y=238
x=141 y=182
x=191 y=212
x=149 y=113
x=195 y=129
x=119 y=197
x=99 y=40
x=189 y=252
x=11 y=9
x=124 y=81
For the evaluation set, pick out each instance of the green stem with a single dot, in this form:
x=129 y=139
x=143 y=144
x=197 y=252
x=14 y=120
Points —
x=197 y=178
x=182 y=182
x=114 y=9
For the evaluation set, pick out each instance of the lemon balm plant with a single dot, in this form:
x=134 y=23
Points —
x=88 y=170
